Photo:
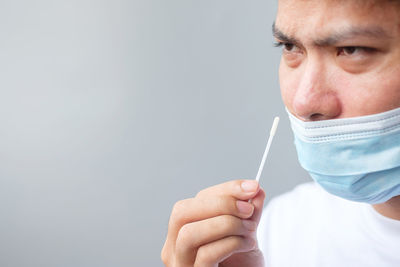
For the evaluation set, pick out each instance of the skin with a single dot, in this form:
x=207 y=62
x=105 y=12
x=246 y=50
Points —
x=216 y=228
x=340 y=59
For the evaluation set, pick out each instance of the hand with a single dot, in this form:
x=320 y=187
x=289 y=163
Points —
x=216 y=228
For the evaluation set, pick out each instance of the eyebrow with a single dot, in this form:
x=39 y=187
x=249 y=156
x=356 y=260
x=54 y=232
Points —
x=283 y=37
x=346 y=34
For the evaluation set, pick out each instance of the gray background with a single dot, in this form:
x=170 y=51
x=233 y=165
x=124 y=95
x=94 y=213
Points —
x=111 y=111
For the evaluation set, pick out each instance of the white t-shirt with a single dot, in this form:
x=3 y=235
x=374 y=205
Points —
x=309 y=227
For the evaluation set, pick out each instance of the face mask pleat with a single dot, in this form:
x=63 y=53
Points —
x=348 y=128
x=356 y=158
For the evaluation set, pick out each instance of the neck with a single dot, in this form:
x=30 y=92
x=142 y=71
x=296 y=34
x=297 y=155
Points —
x=390 y=208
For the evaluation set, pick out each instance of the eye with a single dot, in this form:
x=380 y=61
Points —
x=354 y=50
x=287 y=47
x=292 y=54
x=357 y=59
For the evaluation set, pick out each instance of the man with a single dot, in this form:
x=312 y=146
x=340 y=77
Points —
x=340 y=82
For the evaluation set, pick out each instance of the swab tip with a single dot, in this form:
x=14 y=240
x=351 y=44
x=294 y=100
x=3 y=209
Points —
x=274 y=126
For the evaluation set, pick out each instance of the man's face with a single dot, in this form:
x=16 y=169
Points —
x=341 y=58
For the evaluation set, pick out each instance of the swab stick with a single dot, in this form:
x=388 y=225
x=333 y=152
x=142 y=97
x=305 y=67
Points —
x=271 y=136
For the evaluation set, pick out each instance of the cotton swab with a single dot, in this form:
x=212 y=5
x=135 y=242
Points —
x=271 y=136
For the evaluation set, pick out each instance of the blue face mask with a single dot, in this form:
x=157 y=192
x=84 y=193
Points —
x=354 y=158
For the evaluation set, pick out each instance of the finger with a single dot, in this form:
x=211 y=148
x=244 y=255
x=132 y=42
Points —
x=213 y=253
x=208 y=203
x=193 y=235
x=240 y=189
x=191 y=210
x=258 y=202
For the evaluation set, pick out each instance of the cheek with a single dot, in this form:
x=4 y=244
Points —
x=387 y=91
x=368 y=94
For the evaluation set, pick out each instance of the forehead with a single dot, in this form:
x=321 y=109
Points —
x=315 y=18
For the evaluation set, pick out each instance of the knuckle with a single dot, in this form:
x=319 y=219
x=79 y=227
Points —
x=236 y=185
x=201 y=193
x=241 y=244
x=236 y=242
x=177 y=208
x=224 y=205
x=226 y=188
x=227 y=223
x=203 y=257
x=238 y=182
x=167 y=254
x=164 y=256
x=183 y=239
x=178 y=211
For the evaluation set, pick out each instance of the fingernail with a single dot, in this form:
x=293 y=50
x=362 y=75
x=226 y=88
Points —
x=249 y=186
x=249 y=225
x=244 y=208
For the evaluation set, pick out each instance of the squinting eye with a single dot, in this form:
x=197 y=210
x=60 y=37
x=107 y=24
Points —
x=347 y=51
x=292 y=55
x=288 y=47
x=352 y=50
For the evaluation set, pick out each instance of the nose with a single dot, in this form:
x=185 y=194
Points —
x=315 y=97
